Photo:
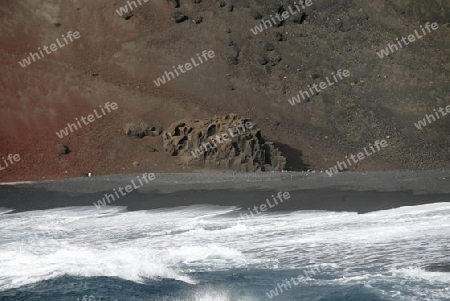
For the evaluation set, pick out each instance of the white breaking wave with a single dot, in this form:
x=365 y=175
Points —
x=418 y=273
x=5 y=210
x=171 y=243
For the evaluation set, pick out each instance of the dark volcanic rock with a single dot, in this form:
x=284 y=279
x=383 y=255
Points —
x=232 y=60
x=140 y=130
x=178 y=16
x=150 y=149
x=274 y=21
x=268 y=47
x=277 y=36
x=273 y=57
x=197 y=20
x=274 y=8
x=261 y=60
x=62 y=149
x=255 y=15
x=174 y=3
x=127 y=16
x=221 y=3
x=218 y=143
x=299 y=18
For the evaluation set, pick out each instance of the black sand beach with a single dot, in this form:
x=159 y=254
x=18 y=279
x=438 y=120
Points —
x=356 y=192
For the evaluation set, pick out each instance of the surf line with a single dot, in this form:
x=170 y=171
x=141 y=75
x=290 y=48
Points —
x=280 y=195
x=110 y=197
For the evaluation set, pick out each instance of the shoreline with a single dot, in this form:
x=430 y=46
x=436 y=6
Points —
x=360 y=192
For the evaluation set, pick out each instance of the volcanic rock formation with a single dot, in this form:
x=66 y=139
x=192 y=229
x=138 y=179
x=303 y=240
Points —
x=201 y=143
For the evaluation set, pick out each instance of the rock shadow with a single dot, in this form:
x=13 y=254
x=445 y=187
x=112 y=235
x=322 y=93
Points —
x=294 y=158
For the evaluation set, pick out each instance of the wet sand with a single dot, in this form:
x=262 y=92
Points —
x=356 y=192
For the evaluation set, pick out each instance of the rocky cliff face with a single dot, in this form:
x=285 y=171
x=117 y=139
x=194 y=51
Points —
x=226 y=142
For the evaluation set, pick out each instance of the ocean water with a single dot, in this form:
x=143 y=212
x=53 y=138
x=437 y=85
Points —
x=208 y=253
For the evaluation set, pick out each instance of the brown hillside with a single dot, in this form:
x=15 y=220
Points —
x=117 y=60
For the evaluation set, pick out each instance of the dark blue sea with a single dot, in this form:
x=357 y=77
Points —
x=208 y=253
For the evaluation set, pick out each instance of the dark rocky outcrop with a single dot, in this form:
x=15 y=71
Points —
x=140 y=130
x=204 y=143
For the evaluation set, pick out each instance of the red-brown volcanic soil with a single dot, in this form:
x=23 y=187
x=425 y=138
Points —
x=39 y=100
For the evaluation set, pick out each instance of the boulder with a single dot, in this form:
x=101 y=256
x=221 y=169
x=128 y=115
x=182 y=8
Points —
x=226 y=142
x=255 y=15
x=261 y=60
x=174 y=3
x=150 y=149
x=140 y=130
x=127 y=15
x=62 y=149
x=268 y=47
x=178 y=17
x=277 y=36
